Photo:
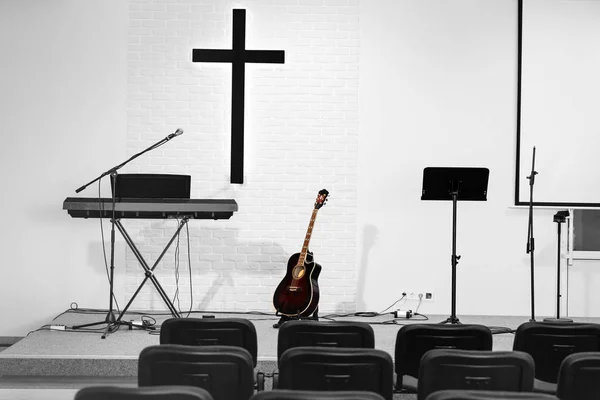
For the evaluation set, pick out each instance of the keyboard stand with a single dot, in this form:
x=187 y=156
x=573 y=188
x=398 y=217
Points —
x=149 y=272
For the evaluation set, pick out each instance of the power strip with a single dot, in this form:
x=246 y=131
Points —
x=141 y=324
x=136 y=323
x=403 y=314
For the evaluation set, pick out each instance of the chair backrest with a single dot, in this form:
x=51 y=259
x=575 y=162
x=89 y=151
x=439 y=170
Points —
x=142 y=393
x=211 y=332
x=413 y=341
x=352 y=334
x=455 y=394
x=550 y=343
x=279 y=394
x=475 y=370
x=323 y=369
x=226 y=372
x=579 y=377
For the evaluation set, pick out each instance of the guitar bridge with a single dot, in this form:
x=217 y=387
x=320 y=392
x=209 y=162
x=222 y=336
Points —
x=294 y=288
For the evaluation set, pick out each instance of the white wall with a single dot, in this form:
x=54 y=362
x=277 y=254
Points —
x=301 y=133
x=438 y=88
x=370 y=94
x=63 y=80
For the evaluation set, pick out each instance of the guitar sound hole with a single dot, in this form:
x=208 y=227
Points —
x=298 y=272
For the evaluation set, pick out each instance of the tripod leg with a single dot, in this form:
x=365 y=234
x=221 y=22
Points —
x=108 y=321
x=451 y=320
x=149 y=272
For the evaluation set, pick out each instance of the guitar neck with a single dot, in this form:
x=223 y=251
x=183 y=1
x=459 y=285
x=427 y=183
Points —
x=311 y=224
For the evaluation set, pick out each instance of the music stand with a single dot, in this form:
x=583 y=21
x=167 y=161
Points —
x=454 y=183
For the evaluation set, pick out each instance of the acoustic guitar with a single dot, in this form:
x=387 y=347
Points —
x=298 y=293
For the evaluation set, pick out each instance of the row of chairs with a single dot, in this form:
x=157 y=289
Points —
x=316 y=368
x=194 y=393
x=340 y=355
x=178 y=392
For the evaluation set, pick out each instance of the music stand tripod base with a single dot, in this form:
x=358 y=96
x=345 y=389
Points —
x=451 y=320
x=454 y=184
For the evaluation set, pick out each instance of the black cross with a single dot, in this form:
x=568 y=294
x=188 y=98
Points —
x=238 y=57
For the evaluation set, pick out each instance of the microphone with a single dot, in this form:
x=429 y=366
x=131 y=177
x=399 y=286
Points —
x=178 y=132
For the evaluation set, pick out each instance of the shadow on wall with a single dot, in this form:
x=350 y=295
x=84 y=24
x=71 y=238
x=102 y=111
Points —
x=370 y=234
x=228 y=274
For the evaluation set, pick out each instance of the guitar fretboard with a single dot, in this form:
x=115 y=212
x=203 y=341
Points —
x=311 y=224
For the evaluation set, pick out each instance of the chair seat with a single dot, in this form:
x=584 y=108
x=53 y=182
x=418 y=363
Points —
x=336 y=368
x=278 y=394
x=226 y=372
x=414 y=340
x=541 y=386
x=171 y=392
x=509 y=371
x=579 y=376
x=454 y=394
x=550 y=343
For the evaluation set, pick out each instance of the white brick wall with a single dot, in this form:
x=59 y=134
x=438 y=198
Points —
x=301 y=136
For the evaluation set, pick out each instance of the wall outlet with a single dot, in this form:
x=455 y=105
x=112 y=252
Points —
x=419 y=295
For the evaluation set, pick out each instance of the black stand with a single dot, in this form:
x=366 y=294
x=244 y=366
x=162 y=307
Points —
x=149 y=272
x=559 y=218
x=285 y=318
x=454 y=184
x=111 y=322
x=530 y=239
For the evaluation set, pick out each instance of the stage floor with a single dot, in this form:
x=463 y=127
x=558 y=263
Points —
x=70 y=359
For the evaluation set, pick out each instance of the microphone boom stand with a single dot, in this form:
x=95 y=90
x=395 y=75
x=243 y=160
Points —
x=530 y=239
x=111 y=323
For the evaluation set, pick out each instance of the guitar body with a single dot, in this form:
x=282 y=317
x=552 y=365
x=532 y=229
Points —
x=298 y=293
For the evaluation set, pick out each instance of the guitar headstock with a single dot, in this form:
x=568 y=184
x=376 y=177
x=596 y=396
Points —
x=321 y=198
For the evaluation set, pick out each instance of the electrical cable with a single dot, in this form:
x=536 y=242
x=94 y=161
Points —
x=366 y=314
x=187 y=233
x=149 y=323
x=101 y=204
x=418 y=305
x=176 y=255
x=403 y=296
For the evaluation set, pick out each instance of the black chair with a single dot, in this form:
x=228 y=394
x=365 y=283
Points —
x=455 y=394
x=213 y=331
x=510 y=371
x=142 y=393
x=325 y=369
x=579 y=377
x=413 y=341
x=550 y=343
x=316 y=395
x=349 y=334
x=226 y=372
x=210 y=332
